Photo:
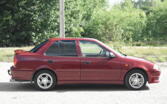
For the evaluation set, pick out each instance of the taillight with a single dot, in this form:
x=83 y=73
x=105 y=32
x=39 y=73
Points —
x=15 y=60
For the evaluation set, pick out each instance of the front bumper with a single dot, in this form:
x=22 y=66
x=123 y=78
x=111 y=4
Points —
x=154 y=76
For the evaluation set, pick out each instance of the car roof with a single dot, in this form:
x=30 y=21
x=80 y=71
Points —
x=53 y=39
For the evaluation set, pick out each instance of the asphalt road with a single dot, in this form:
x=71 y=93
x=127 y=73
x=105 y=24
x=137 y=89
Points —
x=22 y=93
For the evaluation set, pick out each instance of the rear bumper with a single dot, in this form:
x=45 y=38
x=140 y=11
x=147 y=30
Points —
x=154 y=76
x=20 y=81
x=15 y=81
x=19 y=74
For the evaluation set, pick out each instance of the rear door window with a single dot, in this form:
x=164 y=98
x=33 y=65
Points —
x=37 y=47
x=62 y=48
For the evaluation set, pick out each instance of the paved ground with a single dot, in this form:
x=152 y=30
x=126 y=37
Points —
x=18 y=93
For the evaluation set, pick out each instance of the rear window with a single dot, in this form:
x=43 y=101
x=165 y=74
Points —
x=37 y=47
x=62 y=48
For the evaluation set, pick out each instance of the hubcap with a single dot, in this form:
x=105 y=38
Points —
x=44 y=80
x=136 y=80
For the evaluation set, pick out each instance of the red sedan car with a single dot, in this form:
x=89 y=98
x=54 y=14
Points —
x=80 y=60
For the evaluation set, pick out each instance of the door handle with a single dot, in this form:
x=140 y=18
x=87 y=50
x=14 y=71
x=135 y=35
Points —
x=87 y=62
x=50 y=61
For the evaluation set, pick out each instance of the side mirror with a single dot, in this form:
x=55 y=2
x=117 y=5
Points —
x=111 y=55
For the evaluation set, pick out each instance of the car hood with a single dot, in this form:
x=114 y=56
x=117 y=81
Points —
x=138 y=60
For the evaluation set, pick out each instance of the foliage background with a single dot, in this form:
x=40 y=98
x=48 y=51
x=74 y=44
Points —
x=28 y=22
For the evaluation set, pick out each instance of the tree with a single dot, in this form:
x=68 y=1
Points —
x=78 y=13
x=25 y=22
x=157 y=22
x=121 y=23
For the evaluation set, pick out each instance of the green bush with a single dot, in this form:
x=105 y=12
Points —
x=157 y=22
x=117 y=25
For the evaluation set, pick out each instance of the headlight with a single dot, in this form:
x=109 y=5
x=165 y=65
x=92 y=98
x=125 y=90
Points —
x=156 y=67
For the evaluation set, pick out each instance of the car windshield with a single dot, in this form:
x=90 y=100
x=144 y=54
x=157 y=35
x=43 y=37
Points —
x=119 y=53
x=37 y=47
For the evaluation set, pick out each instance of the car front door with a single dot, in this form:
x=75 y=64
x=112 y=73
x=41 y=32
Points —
x=63 y=58
x=95 y=63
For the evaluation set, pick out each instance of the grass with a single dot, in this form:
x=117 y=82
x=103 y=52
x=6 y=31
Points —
x=149 y=52
x=154 y=54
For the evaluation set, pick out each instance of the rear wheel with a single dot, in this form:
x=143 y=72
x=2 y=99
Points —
x=135 y=80
x=45 y=80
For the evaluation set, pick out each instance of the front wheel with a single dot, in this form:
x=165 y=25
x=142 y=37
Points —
x=45 y=80
x=135 y=80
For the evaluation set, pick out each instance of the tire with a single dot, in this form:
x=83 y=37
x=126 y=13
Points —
x=44 y=80
x=135 y=80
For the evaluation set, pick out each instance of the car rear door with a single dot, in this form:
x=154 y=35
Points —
x=62 y=56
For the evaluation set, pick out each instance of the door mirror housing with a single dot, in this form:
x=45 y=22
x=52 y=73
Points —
x=111 y=55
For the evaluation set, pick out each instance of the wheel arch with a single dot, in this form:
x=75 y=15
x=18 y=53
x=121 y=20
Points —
x=44 y=69
x=136 y=68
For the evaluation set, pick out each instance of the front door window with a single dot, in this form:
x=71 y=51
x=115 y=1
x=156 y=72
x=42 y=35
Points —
x=92 y=49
